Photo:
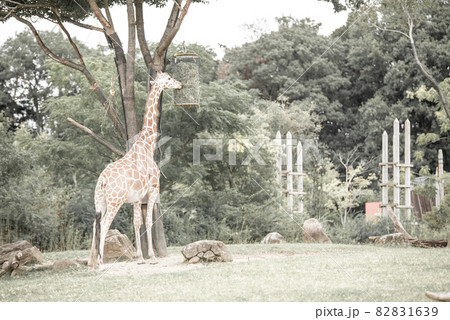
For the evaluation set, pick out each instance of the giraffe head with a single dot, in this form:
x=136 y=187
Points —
x=166 y=82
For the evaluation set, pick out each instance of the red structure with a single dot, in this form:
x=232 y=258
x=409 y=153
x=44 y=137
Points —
x=373 y=210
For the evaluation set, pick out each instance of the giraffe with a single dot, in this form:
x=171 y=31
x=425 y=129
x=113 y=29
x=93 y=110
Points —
x=130 y=178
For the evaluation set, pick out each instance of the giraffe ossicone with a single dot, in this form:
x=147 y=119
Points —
x=131 y=178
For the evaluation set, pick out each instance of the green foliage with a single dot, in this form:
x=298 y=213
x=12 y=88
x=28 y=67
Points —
x=439 y=219
x=332 y=197
x=235 y=201
x=76 y=10
x=358 y=230
x=335 y=94
x=341 y=5
x=24 y=77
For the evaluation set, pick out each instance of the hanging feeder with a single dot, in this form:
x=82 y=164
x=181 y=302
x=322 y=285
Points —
x=185 y=70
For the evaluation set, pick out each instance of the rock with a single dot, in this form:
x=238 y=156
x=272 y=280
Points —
x=313 y=232
x=273 y=237
x=393 y=238
x=118 y=245
x=64 y=264
x=206 y=251
x=194 y=260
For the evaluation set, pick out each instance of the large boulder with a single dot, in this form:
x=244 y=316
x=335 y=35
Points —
x=313 y=232
x=206 y=251
x=118 y=245
x=273 y=237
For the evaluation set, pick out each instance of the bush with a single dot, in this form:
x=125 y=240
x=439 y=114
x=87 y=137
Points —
x=358 y=230
x=439 y=219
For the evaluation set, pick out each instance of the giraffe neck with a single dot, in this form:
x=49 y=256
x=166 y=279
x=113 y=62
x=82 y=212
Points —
x=151 y=109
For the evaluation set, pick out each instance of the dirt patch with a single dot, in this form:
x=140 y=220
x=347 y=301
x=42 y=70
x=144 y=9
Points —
x=176 y=263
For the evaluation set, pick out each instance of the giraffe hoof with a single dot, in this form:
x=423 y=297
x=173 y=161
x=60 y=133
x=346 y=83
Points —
x=102 y=268
x=140 y=261
x=152 y=261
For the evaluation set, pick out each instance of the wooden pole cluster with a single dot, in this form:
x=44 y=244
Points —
x=285 y=152
x=396 y=165
x=439 y=175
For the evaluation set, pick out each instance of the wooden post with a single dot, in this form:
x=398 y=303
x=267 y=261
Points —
x=279 y=151
x=439 y=174
x=289 y=170
x=384 y=173
x=396 y=168
x=300 y=176
x=438 y=189
x=408 y=168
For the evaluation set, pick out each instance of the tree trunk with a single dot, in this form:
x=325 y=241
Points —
x=15 y=255
x=398 y=225
x=158 y=237
x=423 y=243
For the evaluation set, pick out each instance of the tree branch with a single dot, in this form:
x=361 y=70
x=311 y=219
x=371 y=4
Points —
x=82 y=25
x=397 y=224
x=422 y=68
x=171 y=27
x=46 y=50
x=121 y=64
x=101 y=18
x=106 y=104
x=425 y=72
x=141 y=34
x=74 y=46
x=390 y=30
x=97 y=138
x=22 y=5
x=108 y=13
x=94 y=85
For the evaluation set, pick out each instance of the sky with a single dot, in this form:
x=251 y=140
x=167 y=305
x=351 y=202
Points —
x=217 y=22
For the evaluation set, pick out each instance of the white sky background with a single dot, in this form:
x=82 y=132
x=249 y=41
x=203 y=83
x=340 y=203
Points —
x=211 y=24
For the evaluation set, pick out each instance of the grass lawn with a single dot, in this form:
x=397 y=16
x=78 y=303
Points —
x=286 y=272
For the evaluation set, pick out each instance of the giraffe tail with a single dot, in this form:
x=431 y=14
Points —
x=100 y=206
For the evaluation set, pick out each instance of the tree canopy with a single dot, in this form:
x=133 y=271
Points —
x=335 y=93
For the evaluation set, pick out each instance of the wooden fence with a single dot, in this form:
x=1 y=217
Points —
x=395 y=164
x=285 y=151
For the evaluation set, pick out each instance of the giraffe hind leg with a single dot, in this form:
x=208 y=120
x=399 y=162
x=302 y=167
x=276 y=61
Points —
x=97 y=235
x=95 y=240
x=105 y=223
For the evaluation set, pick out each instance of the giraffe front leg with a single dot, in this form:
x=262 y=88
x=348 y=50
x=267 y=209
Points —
x=148 y=225
x=137 y=219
